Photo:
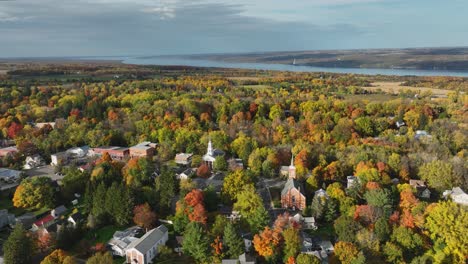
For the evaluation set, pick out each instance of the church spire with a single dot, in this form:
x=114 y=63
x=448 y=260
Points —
x=292 y=168
x=209 y=151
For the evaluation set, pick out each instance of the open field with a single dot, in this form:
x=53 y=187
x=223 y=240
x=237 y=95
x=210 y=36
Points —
x=395 y=87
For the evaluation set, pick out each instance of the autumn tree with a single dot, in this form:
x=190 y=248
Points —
x=58 y=256
x=447 y=224
x=34 y=192
x=348 y=253
x=267 y=243
x=307 y=259
x=203 y=171
x=137 y=172
x=100 y=258
x=144 y=216
x=250 y=205
x=438 y=174
x=292 y=242
x=234 y=183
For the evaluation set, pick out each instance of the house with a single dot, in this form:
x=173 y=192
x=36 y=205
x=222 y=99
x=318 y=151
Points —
x=184 y=158
x=59 y=158
x=292 y=195
x=458 y=195
x=422 y=134
x=116 y=153
x=309 y=223
x=9 y=176
x=421 y=189
x=75 y=219
x=121 y=239
x=43 y=124
x=305 y=222
x=211 y=154
x=45 y=222
x=33 y=162
x=235 y=164
x=186 y=174
x=352 y=181
x=6 y=219
x=243 y=259
x=79 y=152
x=143 y=250
x=57 y=212
x=26 y=220
x=144 y=149
x=8 y=151
x=321 y=193
x=400 y=124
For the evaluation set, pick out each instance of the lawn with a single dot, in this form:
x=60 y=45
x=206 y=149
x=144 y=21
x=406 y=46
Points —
x=6 y=203
x=325 y=231
x=102 y=235
x=175 y=259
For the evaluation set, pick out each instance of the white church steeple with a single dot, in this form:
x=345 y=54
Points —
x=209 y=151
x=292 y=168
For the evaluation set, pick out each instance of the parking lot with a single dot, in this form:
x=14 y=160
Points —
x=43 y=171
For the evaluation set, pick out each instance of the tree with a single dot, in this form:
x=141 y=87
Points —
x=307 y=259
x=203 y=171
x=348 y=253
x=166 y=185
x=346 y=228
x=250 y=206
x=195 y=206
x=266 y=243
x=447 y=223
x=220 y=164
x=34 y=192
x=144 y=216
x=58 y=256
x=318 y=206
x=137 y=172
x=382 y=229
x=234 y=183
x=195 y=242
x=233 y=243
x=438 y=174
x=292 y=242
x=101 y=258
x=393 y=253
x=18 y=247
x=243 y=146
x=406 y=238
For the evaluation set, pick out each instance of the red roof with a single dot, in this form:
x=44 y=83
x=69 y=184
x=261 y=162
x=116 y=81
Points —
x=44 y=220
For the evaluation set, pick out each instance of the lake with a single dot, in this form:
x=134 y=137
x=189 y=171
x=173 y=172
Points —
x=282 y=67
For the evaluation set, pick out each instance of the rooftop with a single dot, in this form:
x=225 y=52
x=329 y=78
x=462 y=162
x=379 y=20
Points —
x=147 y=241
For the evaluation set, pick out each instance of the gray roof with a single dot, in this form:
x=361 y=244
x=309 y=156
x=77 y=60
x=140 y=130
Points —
x=290 y=184
x=146 y=242
x=60 y=210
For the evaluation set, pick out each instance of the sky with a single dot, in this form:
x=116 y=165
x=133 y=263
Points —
x=54 y=28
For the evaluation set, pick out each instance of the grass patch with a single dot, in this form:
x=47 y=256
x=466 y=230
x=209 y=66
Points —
x=102 y=235
x=175 y=259
x=118 y=260
x=6 y=203
x=325 y=231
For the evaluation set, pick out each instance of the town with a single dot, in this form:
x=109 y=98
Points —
x=169 y=165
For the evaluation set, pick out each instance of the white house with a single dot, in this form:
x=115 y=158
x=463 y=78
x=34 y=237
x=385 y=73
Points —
x=183 y=158
x=57 y=212
x=143 y=250
x=186 y=174
x=33 y=162
x=458 y=195
x=59 y=158
x=351 y=181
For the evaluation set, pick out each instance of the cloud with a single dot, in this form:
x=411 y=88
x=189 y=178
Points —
x=147 y=27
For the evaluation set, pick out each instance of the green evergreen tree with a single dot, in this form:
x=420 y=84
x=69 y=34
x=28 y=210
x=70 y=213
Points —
x=18 y=247
x=196 y=243
x=233 y=242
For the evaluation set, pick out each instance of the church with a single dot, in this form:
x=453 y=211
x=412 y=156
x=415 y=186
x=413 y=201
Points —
x=211 y=154
x=292 y=195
